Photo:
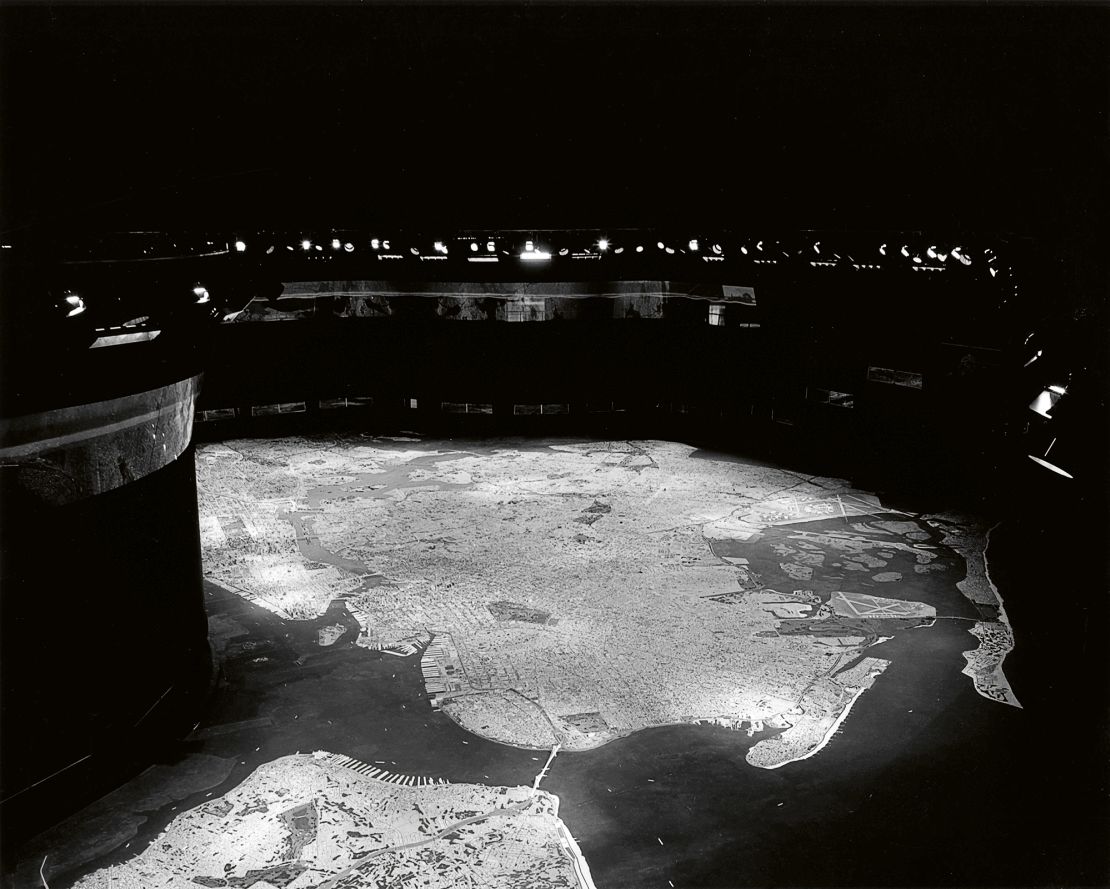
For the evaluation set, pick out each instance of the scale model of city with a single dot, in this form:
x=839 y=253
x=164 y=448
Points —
x=558 y=597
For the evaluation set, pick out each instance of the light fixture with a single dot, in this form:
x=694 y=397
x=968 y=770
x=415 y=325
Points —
x=269 y=249
x=335 y=244
x=905 y=251
x=564 y=251
x=1052 y=462
x=882 y=249
x=440 y=247
x=693 y=245
x=474 y=246
x=619 y=250
x=931 y=252
x=240 y=246
x=414 y=251
x=994 y=272
x=603 y=245
x=816 y=246
x=201 y=294
x=375 y=243
x=716 y=248
x=1047 y=400
x=744 y=250
x=349 y=247
x=639 y=248
x=660 y=245
x=75 y=304
x=385 y=245
x=669 y=249
x=759 y=246
x=490 y=246
x=306 y=244
x=529 y=246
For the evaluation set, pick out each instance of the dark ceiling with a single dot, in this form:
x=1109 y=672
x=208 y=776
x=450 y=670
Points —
x=958 y=116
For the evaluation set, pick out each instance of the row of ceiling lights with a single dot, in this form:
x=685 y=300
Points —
x=933 y=258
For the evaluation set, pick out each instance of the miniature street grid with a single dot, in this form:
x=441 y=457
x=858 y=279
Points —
x=545 y=663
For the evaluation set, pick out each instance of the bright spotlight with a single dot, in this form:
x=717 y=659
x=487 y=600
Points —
x=660 y=245
x=440 y=247
x=474 y=246
x=375 y=243
x=335 y=244
x=931 y=252
x=529 y=246
x=240 y=246
x=1051 y=465
x=306 y=245
x=603 y=245
x=1047 y=400
x=693 y=245
x=201 y=293
x=75 y=303
x=490 y=246
x=640 y=248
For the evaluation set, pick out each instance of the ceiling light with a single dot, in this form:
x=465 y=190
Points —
x=306 y=245
x=693 y=245
x=905 y=251
x=201 y=294
x=375 y=243
x=882 y=249
x=335 y=244
x=349 y=247
x=240 y=246
x=603 y=244
x=75 y=303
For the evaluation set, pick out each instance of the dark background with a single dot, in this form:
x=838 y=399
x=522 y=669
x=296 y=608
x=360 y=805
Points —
x=967 y=116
